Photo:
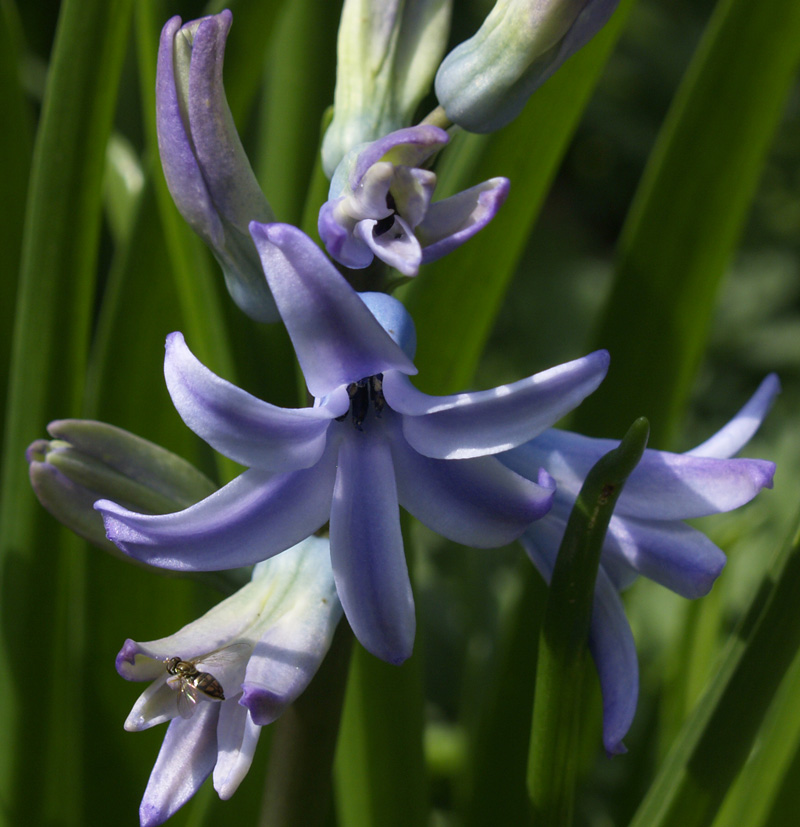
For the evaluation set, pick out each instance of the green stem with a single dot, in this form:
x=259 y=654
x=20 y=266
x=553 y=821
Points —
x=552 y=762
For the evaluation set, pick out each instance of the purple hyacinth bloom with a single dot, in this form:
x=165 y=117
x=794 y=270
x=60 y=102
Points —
x=262 y=646
x=207 y=170
x=646 y=535
x=379 y=204
x=486 y=80
x=370 y=443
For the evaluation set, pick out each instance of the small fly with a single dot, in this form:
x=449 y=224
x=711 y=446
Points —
x=194 y=685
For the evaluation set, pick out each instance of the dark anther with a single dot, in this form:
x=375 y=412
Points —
x=361 y=394
x=359 y=401
x=376 y=393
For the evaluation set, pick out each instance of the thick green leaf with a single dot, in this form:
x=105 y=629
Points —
x=718 y=737
x=455 y=300
x=16 y=145
x=299 y=781
x=42 y=584
x=496 y=786
x=563 y=650
x=770 y=764
x=380 y=775
x=688 y=213
x=300 y=78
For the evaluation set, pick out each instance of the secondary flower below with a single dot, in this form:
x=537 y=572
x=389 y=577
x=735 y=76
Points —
x=222 y=677
x=646 y=534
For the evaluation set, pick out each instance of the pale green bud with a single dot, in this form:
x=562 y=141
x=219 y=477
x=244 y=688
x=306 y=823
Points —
x=387 y=55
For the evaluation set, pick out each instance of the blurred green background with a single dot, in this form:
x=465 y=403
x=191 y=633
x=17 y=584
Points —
x=67 y=609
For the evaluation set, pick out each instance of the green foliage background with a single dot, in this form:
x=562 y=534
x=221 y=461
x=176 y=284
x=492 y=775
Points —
x=655 y=210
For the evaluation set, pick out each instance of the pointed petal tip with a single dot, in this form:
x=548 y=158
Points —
x=263 y=705
x=125 y=657
x=151 y=816
x=35 y=452
x=173 y=339
x=398 y=658
x=614 y=748
x=602 y=357
x=273 y=232
x=170 y=28
x=395 y=653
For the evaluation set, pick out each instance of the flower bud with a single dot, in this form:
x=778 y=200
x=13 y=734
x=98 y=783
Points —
x=486 y=80
x=87 y=461
x=387 y=55
x=207 y=171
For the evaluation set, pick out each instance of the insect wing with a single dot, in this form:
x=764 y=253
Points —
x=223 y=657
x=187 y=699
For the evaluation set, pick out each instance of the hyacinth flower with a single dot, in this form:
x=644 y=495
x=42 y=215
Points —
x=647 y=534
x=379 y=204
x=224 y=676
x=370 y=443
x=207 y=171
x=486 y=80
x=387 y=53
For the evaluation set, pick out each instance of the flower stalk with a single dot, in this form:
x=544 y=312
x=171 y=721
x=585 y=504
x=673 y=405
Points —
x=563 y=642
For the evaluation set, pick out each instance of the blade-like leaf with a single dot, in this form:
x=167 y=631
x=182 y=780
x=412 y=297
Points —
x=563 y=643
x=719 y=735
x=301 y=66
x=686 y=219
x=42 y=575
x=770 y=765
x=380 y=776
x=16 y=145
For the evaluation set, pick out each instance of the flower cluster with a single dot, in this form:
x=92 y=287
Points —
x=316 y=513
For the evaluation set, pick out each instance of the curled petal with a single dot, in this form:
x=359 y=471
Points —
x=614 y=652
x=296 y=632
x=184 y=178
x=731 y=438
x=225 y=165
x=367 y=554
x=337 y=339
x=279 y=673
x=410 y=147
x=237 y=737
x=371 y=197
x=253 y=517
x=397 y=246
x=449 y=223
x=412 y=190
x=337 y=235
x=186 y=759
x=477 y=502
x=664 y=486
x=157 y=704
x=205 y=165
x=239 y=425
x=670 y=552
x=469 y=425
